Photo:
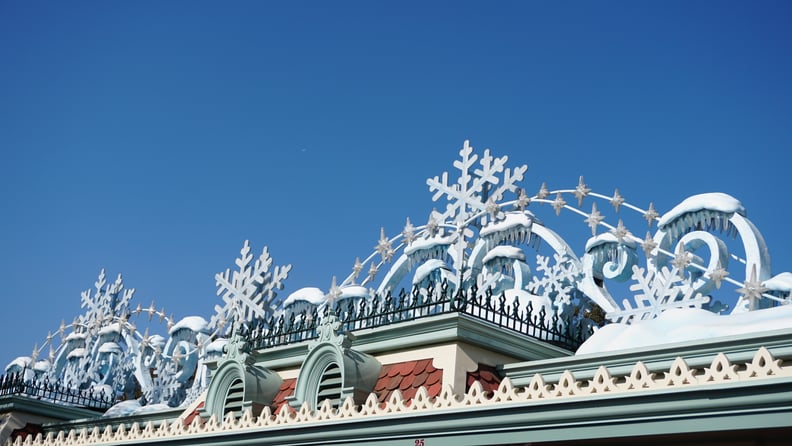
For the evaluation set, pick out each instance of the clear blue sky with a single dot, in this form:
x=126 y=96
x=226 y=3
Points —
x=153 y=138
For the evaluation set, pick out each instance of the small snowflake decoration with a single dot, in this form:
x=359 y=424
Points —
x=558 y=280
x=248 y=293
x=657 y=291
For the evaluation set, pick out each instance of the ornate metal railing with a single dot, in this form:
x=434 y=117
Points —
x=568 y=333
x=55 y=392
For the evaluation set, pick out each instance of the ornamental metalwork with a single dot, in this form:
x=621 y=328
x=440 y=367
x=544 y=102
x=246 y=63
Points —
x=485 y=254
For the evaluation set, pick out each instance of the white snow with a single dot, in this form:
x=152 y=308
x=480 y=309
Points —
x=115 y=327
x=311 y=295
x=217 y=345
x=74 y=336
x=127 y=407
x=780 y=282
x=194 y=323
x=78 y=353
x=715 y=201
x=42 y=365
x=156 y=341
x=504 y=251
x=20 y=362
x=685 y=324
x=132 y=407
x=426 y=268
x=353 y=291
x=608 y=237
x=431 y=242
x=110 y=347
x=512 y=220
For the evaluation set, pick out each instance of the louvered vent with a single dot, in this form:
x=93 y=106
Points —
x=330 y=386
x=233 y=400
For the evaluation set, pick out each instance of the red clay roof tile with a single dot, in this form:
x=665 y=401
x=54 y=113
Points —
x=286 y=389
x=486 y=375
x=433 y=378
x=421 y=365
x=407 y=377
x=420 y=379
x=434 y=389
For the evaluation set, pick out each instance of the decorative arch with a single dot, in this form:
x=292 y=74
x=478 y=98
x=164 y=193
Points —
x=333 y=369
x=238 y=385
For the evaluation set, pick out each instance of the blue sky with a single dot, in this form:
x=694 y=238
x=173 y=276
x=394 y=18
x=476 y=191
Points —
x=153 y=138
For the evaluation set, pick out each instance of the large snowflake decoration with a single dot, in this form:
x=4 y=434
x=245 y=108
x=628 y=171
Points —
x=657 y=291
x=478 y=189
x=249 y=293
x=105 y=302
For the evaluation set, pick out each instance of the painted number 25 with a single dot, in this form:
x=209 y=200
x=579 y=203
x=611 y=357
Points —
x=419 y=442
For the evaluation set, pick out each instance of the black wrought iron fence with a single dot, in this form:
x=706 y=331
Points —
x=46 y=390
x=568 y=333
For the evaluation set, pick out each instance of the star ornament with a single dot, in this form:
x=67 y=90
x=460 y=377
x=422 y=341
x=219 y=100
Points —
x=718 y=275
x=357 y=268
x=752 y=289
x=558 y=203
x=681 y=259
x=334 y=293
x=617 y=200
x=372 y=272
x=408 y=232
x=594 y=219
x=543 y=192
x=523 y=200
x=620 y=231
x=581 y=191
x=648 y=244
x=651 y=214
x=492 y=208
x=384 y=247
x=432 y=227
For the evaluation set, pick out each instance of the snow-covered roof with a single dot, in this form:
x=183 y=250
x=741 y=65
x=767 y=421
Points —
x=311 y=295
x=194 y=323
x=427 y=267
x=217 y=345
x=20 y=362
x=715 y=201
x=780 y=282
x=157 y=341
x=511 y=220
x=685 y=324
x=42 y=365
x=73 y=336
x=504 y=251
x=115 y=327
x=133 y=407
x=605 y=238
x=110 y=347
x=431 y=242
x=77 y=353
x=353 y=291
